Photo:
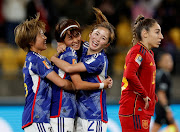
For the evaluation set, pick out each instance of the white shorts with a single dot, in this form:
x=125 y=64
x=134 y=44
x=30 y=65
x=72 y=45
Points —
x=39 y=127
x=83 y=125
x=61 y=124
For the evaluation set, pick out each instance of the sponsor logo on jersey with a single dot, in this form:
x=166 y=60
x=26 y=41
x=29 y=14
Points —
x=138 y=59
x=139 y=109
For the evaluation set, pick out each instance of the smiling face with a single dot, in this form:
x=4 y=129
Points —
x=98 y=39
x=73 y=39
x=154 y=36
x=40 y=42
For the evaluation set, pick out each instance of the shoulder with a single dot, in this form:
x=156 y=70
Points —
x=69 y=52
x=69 y=49
x=85 y=44
x=159 y=74
x=140 y=49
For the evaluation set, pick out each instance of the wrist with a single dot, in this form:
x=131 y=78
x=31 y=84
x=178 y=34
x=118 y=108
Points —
x=101 y=85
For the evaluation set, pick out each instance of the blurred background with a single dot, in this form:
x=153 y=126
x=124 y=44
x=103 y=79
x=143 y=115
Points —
x=120 y=13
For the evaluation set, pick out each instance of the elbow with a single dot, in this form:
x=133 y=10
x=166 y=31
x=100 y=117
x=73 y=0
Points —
x=67 y=85
x=62 y=84
x=129 y=77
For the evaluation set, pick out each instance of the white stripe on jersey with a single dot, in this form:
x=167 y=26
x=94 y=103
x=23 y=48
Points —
x=37 y=54
x=102 y=74
x=35 y=78
x=61 y=73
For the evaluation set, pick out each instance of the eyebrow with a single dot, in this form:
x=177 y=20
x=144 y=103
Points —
x=158 y=29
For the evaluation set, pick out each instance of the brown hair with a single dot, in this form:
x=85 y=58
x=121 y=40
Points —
x=101 y=21
x=140 y=24
x=26 y=32
x=64 y=26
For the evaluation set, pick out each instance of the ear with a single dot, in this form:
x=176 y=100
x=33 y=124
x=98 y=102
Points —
x=144 y=33
x=31 y=43
x=90 y=34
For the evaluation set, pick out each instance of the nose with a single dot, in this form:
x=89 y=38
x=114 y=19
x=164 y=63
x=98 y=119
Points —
x=161 y=36
x=98 y=38
x=44 y=37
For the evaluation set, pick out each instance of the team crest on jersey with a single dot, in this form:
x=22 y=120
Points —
x=46 y=64
x=138 y=59
x=145 y=124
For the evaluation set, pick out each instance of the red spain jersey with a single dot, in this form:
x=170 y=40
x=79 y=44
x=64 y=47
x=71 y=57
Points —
x=138 y=82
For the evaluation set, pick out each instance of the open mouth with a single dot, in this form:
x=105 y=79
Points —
x=94 y=43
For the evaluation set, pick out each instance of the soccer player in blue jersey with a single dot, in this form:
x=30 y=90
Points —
x=63 y=107
x=38 y=76
x=91 y=104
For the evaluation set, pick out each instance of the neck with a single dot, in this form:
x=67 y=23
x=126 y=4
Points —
x=90 y=52
x=35 y=50
x=146 y=45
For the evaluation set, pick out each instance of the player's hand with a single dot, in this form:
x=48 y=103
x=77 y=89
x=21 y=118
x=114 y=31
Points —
x=108 y=82
x=146 y=100
x=61 y=47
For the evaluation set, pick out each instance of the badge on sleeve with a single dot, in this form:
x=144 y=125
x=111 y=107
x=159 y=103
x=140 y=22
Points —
x=138 y=59
x=46 y=64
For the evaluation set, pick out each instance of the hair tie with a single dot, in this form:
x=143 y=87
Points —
x=140 y=19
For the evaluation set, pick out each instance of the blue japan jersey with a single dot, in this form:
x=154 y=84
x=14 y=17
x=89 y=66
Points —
x=92 y=104
x=64 y=102
x=38 y=91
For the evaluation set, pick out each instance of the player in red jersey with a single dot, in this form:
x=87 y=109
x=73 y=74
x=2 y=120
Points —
x=138 y=97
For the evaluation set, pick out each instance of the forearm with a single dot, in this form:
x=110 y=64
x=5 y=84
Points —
x=83 y=85
x=68 y=85
x=132 y=78
x=63 y=65
x=62 y=83
x=87 y=86
x=162 y=98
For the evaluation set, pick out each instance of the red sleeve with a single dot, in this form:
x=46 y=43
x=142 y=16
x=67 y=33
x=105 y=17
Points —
x=133 y=64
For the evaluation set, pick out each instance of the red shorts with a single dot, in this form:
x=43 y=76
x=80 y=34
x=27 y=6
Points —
x=135 y=123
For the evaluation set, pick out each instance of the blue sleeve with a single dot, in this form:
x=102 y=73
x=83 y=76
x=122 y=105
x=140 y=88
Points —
x=70 y=56
x=43 y=67
x=94 y=65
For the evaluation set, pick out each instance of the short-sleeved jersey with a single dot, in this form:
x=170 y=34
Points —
x=138 y=82
x=64 y=102
x=163 y=82
x=38 y=90
x=92 y=103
